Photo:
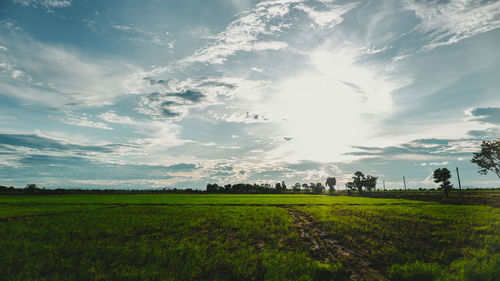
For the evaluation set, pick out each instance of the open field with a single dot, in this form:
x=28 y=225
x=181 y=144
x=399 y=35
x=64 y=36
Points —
x=489 y=197
x=245 y=237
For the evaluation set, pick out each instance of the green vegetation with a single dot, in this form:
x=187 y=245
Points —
x=243 y=237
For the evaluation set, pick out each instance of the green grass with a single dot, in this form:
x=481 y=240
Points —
x=196 y=199
x=204 y=237
x=14 y=210
x=418 y=240
x=159 y=243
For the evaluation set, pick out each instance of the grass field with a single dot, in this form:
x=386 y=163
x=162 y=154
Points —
x=245 y=237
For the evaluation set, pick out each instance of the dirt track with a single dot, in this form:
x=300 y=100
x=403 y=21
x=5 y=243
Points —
x=327 y=249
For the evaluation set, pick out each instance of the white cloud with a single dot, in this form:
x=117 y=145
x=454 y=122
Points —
x=174 y=99
x=55 y=76
x=238 y=117
x=83 y=121
x=330 y=17
x=112 y=117
x=2 y=48
x=444 y=163
x=269 y=45
x=455 y=20
x=244 y=33
x=136 y=34
x=44 y=3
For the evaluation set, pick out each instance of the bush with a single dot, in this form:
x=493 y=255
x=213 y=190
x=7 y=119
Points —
x=417 y=271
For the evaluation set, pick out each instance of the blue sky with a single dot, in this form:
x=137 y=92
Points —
x=153 y=94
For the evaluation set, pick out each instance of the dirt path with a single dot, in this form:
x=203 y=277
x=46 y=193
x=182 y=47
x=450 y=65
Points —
x=326 y=249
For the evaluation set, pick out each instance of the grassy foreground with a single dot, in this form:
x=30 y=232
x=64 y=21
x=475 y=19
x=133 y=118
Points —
x=242 y=237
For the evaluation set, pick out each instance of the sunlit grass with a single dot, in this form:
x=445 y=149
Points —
x=240 y=237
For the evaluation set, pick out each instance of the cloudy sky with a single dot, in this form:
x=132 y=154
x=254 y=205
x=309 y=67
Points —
x=150 y=94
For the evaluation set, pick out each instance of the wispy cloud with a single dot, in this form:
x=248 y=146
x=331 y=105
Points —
x=82 y=121
x=448 y=22
x=244 y=34
x=136 y=34
x=58 y=77
x=329 y=16
x=48 y=4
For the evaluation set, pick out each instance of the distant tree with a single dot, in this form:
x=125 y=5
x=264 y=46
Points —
x=31 y=187
x=442 y=176
x=212 y=187
x=488 y=159
x=358 y=180
x=317 y=188
x=305 y=187
x=296 y=188
x=350 y=187
x=283 y=185
x=280 y=188
x=331 y=182
x=370 y=182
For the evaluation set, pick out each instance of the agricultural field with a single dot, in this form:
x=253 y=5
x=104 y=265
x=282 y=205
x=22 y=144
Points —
x=245 y=237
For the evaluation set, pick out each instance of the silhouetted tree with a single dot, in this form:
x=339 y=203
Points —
x=305 y=187
x=296 y=188
x=31 y=187
x=442 y=176
x=488 y=159
x=317 y=188
x=370 y=182
x=358 y=180
x=279 y=188
x=350 y=187
x=212 y=187
x=283 y=186
x=331 y=182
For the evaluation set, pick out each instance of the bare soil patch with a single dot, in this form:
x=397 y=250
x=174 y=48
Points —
x=326 y=249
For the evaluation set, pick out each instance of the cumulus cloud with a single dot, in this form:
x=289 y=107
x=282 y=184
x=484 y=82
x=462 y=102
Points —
x=174 y=99
x=449 y=22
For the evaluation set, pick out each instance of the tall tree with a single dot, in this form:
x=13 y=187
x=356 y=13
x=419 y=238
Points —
x=442 y=176
x=358 y=180
x=488 y=159
x=331 y=182
x=296 y=188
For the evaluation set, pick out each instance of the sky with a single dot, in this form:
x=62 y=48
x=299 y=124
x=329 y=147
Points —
x=180 y=93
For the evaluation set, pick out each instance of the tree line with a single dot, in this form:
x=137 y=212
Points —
x=487 y=159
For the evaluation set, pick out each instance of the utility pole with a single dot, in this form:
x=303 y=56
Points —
x=404 y=182
x=459 y=184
